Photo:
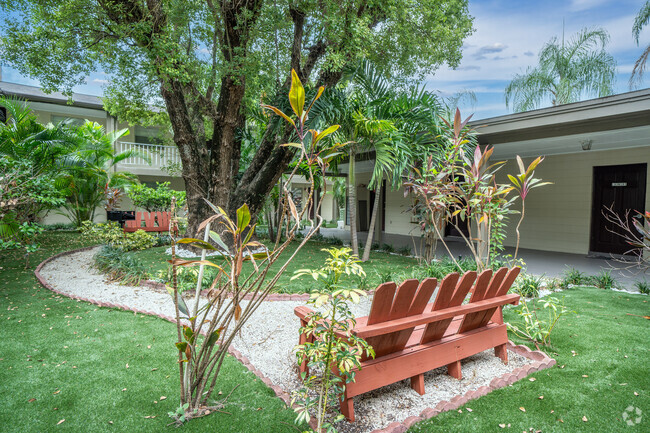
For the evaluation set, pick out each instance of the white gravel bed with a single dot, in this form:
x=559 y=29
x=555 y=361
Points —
x=269 y=337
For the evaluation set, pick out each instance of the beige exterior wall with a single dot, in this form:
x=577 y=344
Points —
x=398 y=218
x=558 y=216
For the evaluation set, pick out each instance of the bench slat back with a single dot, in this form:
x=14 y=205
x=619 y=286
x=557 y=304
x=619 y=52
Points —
x=498 y=284
x=452 y=292
x=390 y=303
x=149 y=221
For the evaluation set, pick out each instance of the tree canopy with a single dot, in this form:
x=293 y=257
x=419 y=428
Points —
x=642 y=18
x=209 y=63
x=567 y=71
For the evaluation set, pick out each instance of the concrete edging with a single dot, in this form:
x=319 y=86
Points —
x=541 y=360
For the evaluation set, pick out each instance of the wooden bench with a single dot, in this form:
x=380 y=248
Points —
x=153 y=222
x=411 y=336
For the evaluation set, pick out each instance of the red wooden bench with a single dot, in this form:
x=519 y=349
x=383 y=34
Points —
x=411 y=336
x=153 y=222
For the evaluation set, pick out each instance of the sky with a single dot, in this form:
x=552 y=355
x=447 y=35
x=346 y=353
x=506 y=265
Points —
x=507 y=39
x=509 y=35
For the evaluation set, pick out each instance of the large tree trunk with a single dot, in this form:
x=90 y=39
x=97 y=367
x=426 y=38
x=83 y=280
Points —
x=371 y=228
x=352 y=197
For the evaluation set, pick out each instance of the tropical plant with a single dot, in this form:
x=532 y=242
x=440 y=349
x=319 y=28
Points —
x=89 y=170
x=28 y=153
x=604 y=280
x=330 y=341
x=158 y=199
x=573 y=277
x=126 y=269
x=463 y=188
x=535 y=328
x=203 y=63
x=528 y=285
x=640 y=22
x=523 y=183
x=221 y=318
x=566 y=72
x=377 y=119
x=113 y=235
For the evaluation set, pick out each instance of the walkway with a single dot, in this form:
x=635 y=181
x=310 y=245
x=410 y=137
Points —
x=550 y=264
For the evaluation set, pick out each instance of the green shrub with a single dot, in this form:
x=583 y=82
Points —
x=157 y=199
x=162 y=240
x=187 y=277
x=337 y=242
x=118 y=266
x=528 y=285
x=388 y=248
x=59 y=226
x=572 y=276
x=604 y=280
x=642 y=287
x=404 y=251
x=112 y=234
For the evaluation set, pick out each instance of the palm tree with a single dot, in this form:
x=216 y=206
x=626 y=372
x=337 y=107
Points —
x=379 y=119
x=639 y=66
x=90 y=170
x=566 y=72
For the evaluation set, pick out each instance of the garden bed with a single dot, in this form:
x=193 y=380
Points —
x=266 y=342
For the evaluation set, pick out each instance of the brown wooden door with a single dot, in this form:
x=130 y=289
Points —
x=620 y=186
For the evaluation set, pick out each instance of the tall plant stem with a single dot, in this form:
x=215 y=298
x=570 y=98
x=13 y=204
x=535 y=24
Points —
x=523 y=211
x=373 y=220
x=352 y=197
x=173 y=230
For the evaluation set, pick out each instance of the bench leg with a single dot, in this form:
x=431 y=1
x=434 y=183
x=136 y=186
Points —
x=454 y=370
x=502 y=353
x=302 y=340
x=417 y=383
x=347 y=408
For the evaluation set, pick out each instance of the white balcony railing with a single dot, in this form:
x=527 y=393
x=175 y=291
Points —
x=161 y=156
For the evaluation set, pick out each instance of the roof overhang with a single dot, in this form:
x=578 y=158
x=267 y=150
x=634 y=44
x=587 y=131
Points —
x=613 y=122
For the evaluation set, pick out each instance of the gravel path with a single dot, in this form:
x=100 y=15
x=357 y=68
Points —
x=268 y=338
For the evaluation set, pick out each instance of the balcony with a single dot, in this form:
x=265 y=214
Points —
x=163 y=159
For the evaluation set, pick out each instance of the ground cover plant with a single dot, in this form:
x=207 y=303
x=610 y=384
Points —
x=606 y=341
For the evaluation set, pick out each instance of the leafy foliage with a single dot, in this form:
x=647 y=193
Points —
x=113 y=235
x=89 y=171
x=462 y=188
x=534 y=327
x=206 y=66
x=27 y=175
x=221 y=318
x=566 y=71
x=640 y=21
x=157 y=199
x=120 y=267
x=528 y=285
x=331 y=343
x=604 y=280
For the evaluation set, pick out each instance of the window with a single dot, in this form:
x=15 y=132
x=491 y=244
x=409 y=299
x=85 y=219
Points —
x=73 y=121
x=147 y=135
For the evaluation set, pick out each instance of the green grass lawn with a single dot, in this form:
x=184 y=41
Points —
x=378 y=269
x=63 y=359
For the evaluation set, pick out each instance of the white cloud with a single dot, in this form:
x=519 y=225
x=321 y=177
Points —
x=581 y=5
x=497 y=47
x=100 y=81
